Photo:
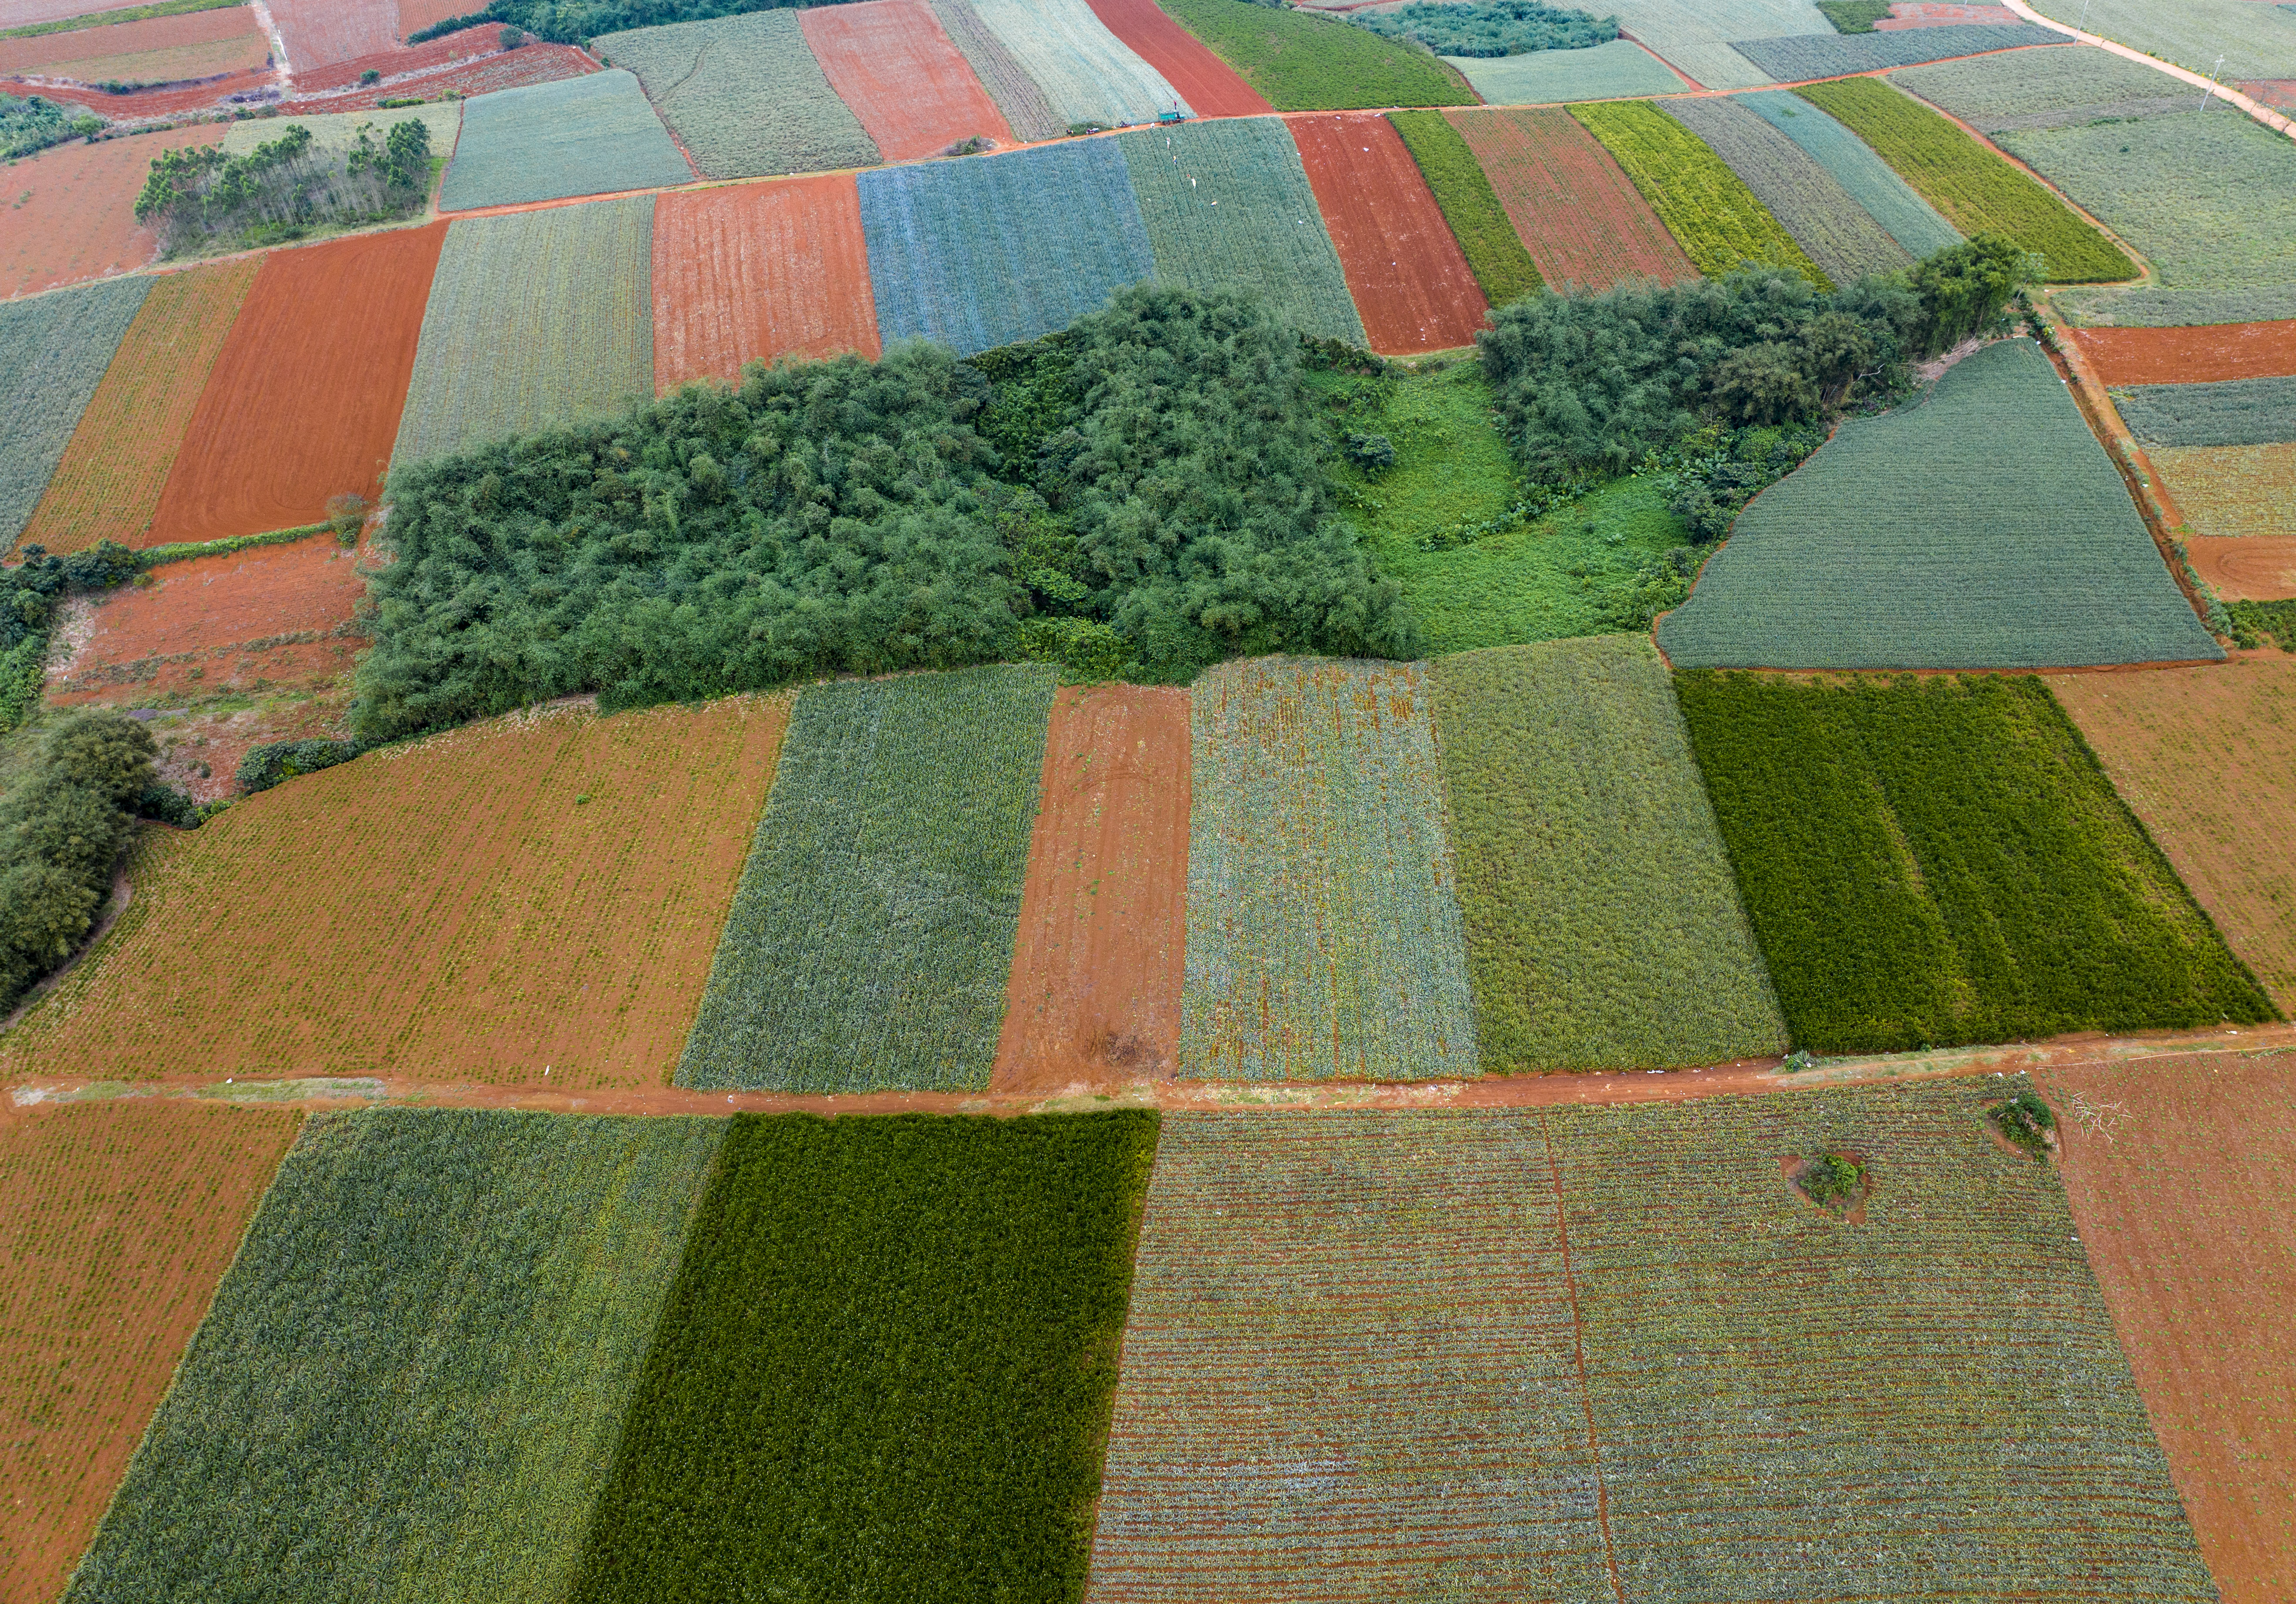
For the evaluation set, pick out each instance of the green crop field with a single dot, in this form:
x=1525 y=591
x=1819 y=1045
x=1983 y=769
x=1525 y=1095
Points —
x=1088 y=73
x=53 y=349
x=1324 y=934
x=335 y=135
x=1707 y=207
x=593 y=136
x=872 y=932
x=744 y=93
x=2253 y=41
x=1973 y=189
x=2238 y=411
x=1027 y=110
x=1308 y=63
x=1935 y=861
x=1545 y=77
x=1226 y=203
x=1695 y=35
x=1978 y=526
x=414 y=1376
x=535 y=319
x=1889 y=199
x=1824 y=217
x=1797 y=58
x=884 y=1371
x=1486 y=237
x=2048 y=88
x=1604 y=928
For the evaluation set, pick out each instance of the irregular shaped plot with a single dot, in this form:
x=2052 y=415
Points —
x=1886 y=198
x=593 y=136
x=1324 y=939
x=1718 y=221
x=336 y=133
x=2232 y=491
x=150 y=50
x=2049 y=88
x=117 y=1220
x=1798 y=58
x=1577 y=213
x=316 y=32
x=280 y=428
x=53 y=354
x=1694 y=35
x=1411 y=283
x=1607 y=72
x=1208 y=86
x=1823 y=217
x=1304 y=62
x=447 y=910
x=528 y=64
x=1089 y=74
x=1017 y=95
x=2212 y=353
x=70 y=210
x=2239 y=411
x=757 y=272
x=745 y=95
x=892 y=64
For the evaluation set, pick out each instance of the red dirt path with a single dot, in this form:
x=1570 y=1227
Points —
x=318 y=32
x=1403 y=267
x=1574 y=209
x=127 y=38
x=78 y=221
x=892 y=62
x=304 y=401
x=1211 y=87
x=754 y=272
x=2204 y=355
x=2246 y=568
x=146 y=105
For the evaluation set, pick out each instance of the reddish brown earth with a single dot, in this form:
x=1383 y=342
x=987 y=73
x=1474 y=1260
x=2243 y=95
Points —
x=2195 y=355
x=892 y=62
x=1211 y=87
x=1576 y=211
x=503 y=69
x=2271 y=92
x=42 y=51
x=117 y=1220
x=318 y=32
x=463 y=44
x=753 y=272
x=416 y=15
x=1925 y=13
x=304 y=401
x=1403 y=267
x=19 y=14
x=1094 y=992
x=2179 y=1178
x=2252 y=567
x=69 y=212
x=146 y=105
x=201 y=748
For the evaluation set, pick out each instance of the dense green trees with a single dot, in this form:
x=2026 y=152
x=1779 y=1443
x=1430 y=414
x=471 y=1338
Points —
x=61 y=829
x=198 y=196
x=1489 y=27
x=33 y=122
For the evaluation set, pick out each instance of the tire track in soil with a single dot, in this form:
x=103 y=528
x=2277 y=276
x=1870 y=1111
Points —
x=1579 y=1357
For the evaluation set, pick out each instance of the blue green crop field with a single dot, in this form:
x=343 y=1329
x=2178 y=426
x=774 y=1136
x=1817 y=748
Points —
x=1889 y=199
x=593 y=136
x=745 y=95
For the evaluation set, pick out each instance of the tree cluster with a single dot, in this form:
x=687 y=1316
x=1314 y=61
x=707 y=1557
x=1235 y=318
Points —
x=33 y=122
x=61 y=830
x=28 y=594
x=198 y=196
x=1489 y=27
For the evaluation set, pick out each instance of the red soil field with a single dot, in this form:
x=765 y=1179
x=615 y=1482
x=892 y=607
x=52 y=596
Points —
x=2271 y=92
x=117 y=1220
x=893 y=64
x=1920 y=13
x=2205 y=355
x=318 y=32
x=303 y=404
x=1094 y=992
x=20 y=13
x=1576 y=212
x=482 y=74
x=131 y=39
x=416 y=15
x=754 y=272
x=1209 y=86
x=2179 y=1181
x=2252 y=567
x=146 y=105
x=108 y=485
x=68 y=213
x=201 y=748
x=1403 y=267
x=265 y=618
x=463 y=44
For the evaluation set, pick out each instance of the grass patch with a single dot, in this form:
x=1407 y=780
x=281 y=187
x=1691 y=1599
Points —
x=1494 y=252
x=1308 y=63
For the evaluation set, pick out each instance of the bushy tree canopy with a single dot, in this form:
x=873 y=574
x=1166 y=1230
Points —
x=61 y=829
x=1489 y=27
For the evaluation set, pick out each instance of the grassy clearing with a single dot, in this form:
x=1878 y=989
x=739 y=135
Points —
x=1889 y=199
x=592 y=135
x=54 y=351
x=1495 y=253
x=1822 y=216
x=1938 y=861
x=745 y=96
x=1306 y=63
x=1706 y=207
x=1612 y=71
x=1603 y=929
x=870 y=940
x=884 y=1372
x=413 y=1377
x=1793 y=59
x=2238 y=411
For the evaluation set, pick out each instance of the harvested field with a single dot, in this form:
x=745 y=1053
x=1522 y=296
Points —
x=2255 y=569
x=893 y=64
x=1304 y=62
x=421 y=1289
x=1088 y=73
x=2232 y=491
x=536 y=319
x=1495 y=253
x=2238 y=411
x=117 y=1220
x=335 y=132
x=994 y=250
x=2210 y=354
x=463 y=44
x=2048 y=88
x=1889 y=199
x=1018 y=97
x=757 y=272
x=2207 y=758
x=1797 y=58
x=1209 y=86
x=1094 y=991
x=2252 y=40
x=1227 y=203
x=1812 y=206
x=2198 y=1295
x=318 y=32
x=1577 y=213
x=1324 y=939
x=71 y=212
x=1608 y=71
x=153 y=50
x=519 y=68
x=745 y=96
x=416 y=15
x=887 y=872
x=1912 y=540
x=1411 y=282
x=1694 y=35
x=278 y=429
x=1708 y=209
x=593 y=136
x=53 y=353
x=451 y=909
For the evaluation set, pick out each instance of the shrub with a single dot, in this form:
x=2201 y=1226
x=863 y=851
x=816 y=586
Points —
x=2026 y=1122
x=1832 y=1180
x=267 y=765
x=1489 y=27
x=33 y=122
x=61 y=830
x=28 y=593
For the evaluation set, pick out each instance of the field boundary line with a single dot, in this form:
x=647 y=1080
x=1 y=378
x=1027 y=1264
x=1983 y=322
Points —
x=1578 y=1353
x=2270 y=119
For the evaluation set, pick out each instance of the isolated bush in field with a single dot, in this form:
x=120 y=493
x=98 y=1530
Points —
x=267 y=765
x=1832 y=1180
x=61 y=829
x=2028 y=1122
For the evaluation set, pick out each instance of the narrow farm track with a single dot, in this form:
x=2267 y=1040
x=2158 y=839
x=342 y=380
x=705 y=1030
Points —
x=2262 y=113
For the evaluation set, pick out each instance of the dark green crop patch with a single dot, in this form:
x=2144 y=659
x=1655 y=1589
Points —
x=1494 y=252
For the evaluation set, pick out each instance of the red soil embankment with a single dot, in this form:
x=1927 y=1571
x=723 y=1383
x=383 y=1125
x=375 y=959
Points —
x=517 y=69
x=892 y=62
x=2203 y=355
x=462 y=45
x=68 y=213
x=144 y=105
x=1574 y=209
x=1211 y=87
x=1410 y=282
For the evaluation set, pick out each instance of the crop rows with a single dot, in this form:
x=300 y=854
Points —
x=2250 y=41
x=1088 y=73
x=1803 y=56
x=745 y=96
x=1488 y=238
x=54 y=351
x=1303 y=62
x=871 y=935
x=1584 y=222
x=1324 y=933
x=1889 y=199
x=890 y=61
x=2239 y=411
x=2047 y=88
x=1612 y=71
x=1695 y=35
x=2231 y=490
x=1410 y=280
x=590 y=136
x=1823 y=217
x=1707 y=208
x=1019 y=97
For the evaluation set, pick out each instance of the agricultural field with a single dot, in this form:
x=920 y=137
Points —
x=994 y=250
x=888 y=871
x=1604 y=928
x=318 y=32
x=335 y=133
x=1324 y=939
x=1583 y=221
x=1798 y=58
x=1912 y=540
x=1084 y=70
x=1271 y=1441
x=1410 y=280
x=529 y=901
x=69 y=211
x=592 y=135
x=2232 y=491
x=2212 y=353
x=278 y=430
x=2247 y=573
x=1824 y=217
x=521 y=68
x=203 y=43
x=1094 y=990
x=1302 y=63
x=117 y=1220
x=53 y=353
x=1970 y=186
x=1712 y=215
x=1495 y=254
x=2049 y=88
x=1209 y=85
x=883 y=1371
x=1018 y=97
x=2207 y=758
x=416 y=1372
x=1935 y=861
x=1694 y=35
x=2237 y=411
x=2252 y=41
x=1227 y=203
x=910 y=89
x=1886 y=198
x=744 y=96
x=536 y=319
x=1609 y=72
x=757 y=272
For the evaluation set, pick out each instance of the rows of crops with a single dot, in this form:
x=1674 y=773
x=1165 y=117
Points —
x=2239 y=411
x=1707 y=207
x=1304 y=62
x=1694 y=35
x=2231 y=490
x=1581 y=218
x=1811 y=205
x=1086 y=71
x=59 y=346
x=590 y=136
x=1798 y=58
x=2047 y=88
x=1614 y=70
x=1486 y=236
x=744 y=95
x=892 y=62
x=1889 y=199
x=2241 y=40
x=1026 y=107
